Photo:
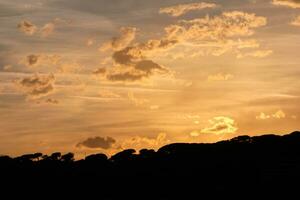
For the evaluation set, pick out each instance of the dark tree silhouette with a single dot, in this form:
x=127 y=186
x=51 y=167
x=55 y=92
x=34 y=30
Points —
x=268 y=164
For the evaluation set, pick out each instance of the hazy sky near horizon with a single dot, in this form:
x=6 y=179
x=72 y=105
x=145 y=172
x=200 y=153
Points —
x=101 y=76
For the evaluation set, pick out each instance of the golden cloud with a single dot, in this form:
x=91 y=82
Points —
x=220 y=125
x=287 y=3
x=182 y=9
x=139 y=142
x=277 y=115
x=219 y=34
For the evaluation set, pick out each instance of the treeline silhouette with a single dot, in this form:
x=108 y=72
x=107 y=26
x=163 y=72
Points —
x=244 y=164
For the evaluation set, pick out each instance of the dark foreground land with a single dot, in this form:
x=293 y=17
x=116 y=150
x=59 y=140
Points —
x=244 y=166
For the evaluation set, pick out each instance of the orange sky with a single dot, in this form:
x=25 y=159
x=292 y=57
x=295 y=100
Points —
x=101 y=76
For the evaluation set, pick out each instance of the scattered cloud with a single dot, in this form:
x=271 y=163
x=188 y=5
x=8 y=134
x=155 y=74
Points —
x=37 y=86
x=287 y=3
x=277 y=115
x=29 y=28
x=220 y=77
x=181 y=9
x=97 y=142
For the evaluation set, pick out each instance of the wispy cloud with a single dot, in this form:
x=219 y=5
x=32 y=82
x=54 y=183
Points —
x=181 y=9
x=287 y=3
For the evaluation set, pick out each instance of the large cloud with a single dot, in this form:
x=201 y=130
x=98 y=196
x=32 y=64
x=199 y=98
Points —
x=97 y=142
x=287 y=3
x=131 y=63
x=218 y=34
x=182 y=9
x=37 y=86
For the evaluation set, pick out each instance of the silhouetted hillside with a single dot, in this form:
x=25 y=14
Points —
x=242 y=165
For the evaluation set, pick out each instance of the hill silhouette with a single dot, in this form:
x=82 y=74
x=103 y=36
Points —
x=242 y=165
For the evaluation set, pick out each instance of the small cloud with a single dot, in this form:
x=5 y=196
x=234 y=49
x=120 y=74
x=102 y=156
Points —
x=89 y=42
x=181 y=9
x=27 y=27
x=34 y=60
x=154 y=107
x=263 y=116
x=279 y=114
x=220 y=77
x=97 y=142
x=47 y=29
x=195 y=134
x=52 y=101
x=127 y=35
x=294 y=117
x=37 y=86
x=296 y=21
x=220 y=125
x=101 y=71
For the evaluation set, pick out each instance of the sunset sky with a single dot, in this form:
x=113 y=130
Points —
x=101 y=76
